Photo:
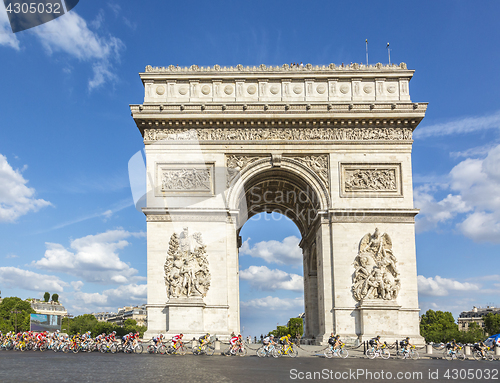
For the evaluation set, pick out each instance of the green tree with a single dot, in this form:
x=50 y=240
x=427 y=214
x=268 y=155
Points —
x=82 y=323
x=55 y=297
x=295 y=327
x=438 y=326
x=46 y=296
x=8 y=319
x=473 y=335
x=492 y=323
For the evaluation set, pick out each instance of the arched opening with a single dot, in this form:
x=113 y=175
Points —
x=268 y=196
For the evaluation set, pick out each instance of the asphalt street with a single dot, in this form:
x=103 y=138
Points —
x=95 y=367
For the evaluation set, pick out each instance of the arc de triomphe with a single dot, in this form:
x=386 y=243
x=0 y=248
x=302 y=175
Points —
x=328 y=146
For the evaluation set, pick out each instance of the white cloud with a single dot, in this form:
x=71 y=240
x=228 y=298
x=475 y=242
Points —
x=77 y=285
x=438 y=286
x=16 y=199
x=71 y=35
x=127 y=295
x=287 y=252
x=7 y=38
x=274 y=303
x=462 y=125
x=23 y=279
x=475 y=185
x=94 y=258
x=262 y=278
x=433 y=212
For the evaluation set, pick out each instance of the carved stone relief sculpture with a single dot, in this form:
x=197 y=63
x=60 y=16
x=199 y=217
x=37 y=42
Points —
x=186 y=267
x=198 y=179
x=318 y=164
x=279 y=134
x=235 y=165
x=370 y=180
x=376 y=275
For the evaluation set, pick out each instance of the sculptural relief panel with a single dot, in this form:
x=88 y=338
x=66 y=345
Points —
x=187 y=273
x=196 y=179
x=375 y=275
x=370 y=180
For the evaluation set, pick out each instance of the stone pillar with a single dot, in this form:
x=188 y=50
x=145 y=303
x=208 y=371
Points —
x=497 y=351
x=428 y=349
x=467 y=350
x=325 y=274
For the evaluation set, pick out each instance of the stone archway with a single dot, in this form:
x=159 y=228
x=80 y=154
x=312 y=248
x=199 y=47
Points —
x=338 y=137
x=295 y=191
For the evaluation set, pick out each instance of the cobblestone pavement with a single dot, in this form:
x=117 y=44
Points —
x=35 y=367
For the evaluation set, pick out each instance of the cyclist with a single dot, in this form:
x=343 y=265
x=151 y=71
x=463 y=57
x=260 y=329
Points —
x=158 y=339
x=338 y=342
x=481 y=347
x=267 y=341
x=177 y=340
x=452 y=345
x=331 y=340
x=375 y=342
x=406 y=345
x=204 y=339
x=234 y=341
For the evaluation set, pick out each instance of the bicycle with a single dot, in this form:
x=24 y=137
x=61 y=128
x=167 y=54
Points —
x=180 y=350
x=207 y=349
x=240 y=350
x=476 y=354
x=408 y=354
x=450 y=354
x=106 y=347
x=269 y=350
x=154 y=349
x=382 y=352
x=287 y=349
x=340 y=351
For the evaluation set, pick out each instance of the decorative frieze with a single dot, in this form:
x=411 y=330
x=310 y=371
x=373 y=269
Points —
x=271 y=68
x=370 y=180
x=279 y=134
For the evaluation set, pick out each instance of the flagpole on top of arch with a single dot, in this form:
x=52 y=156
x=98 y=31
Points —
x=366 y=41
x=389 y=53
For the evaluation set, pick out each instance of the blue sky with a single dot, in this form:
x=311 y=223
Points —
x=67 y=220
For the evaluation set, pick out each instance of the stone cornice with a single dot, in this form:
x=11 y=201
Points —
x=149 y=110
x=372 y=215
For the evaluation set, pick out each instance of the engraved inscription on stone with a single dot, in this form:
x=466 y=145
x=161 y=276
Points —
x=375 y=275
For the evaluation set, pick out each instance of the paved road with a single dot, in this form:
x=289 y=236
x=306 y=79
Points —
x=34 y=367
